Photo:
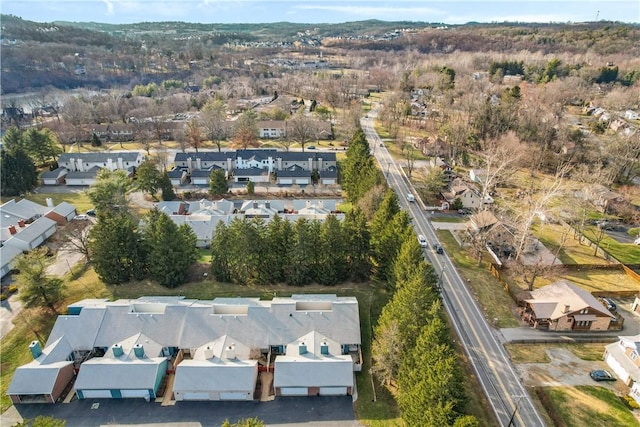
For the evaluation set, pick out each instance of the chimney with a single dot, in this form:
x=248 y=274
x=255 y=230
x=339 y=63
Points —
x=229 y=164
x=279 y=167
x=310 y=167
x=302 y=348
x=138 y=350
x=567 y=308
x=231 y=352
x=110 y=164
x=117 y=350
x=80 y=166
x=120 y=163
x=189 y=164
x=320 y=164
x=35 y=348
x=21 y=223
x=208 y=353
x=255 y=205
x=12 y=229
x=49 y=201
x=198 y=163
x=324 y=348
x=72 y=164
x=267 y=205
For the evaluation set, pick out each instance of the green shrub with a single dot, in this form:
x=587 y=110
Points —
x=634 y=232
x=3 y=297
x=13 y=289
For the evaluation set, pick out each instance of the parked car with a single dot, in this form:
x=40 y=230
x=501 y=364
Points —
x=411 y=198
x=601 y=375
x=422 y=240
x=609 y=303
x=91 y=212
x=311 y=147
x=81 y=217
x=438 y=249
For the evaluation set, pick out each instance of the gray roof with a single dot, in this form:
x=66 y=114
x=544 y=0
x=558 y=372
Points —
x=64 y=209
x=251 y=172
x=8 y=253
x=12 y=211
x=293 y=172
x=185 y=323
x=176 y=173
x=34 y=378
x=100 y=157
x=91 y=173
x=297 y=156
x=56 y=173
x=331 y=173
x=35 y=229
x=201 y=173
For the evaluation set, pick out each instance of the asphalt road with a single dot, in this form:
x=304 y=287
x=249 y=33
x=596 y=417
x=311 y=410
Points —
x=502 y=386
x=290 y=411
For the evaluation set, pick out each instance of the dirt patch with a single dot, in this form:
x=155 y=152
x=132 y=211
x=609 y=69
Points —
x=565 y=369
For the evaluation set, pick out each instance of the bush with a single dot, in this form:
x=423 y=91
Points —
x=634 y=232
x=3 y=297
x=13 y=289
x=630 y=402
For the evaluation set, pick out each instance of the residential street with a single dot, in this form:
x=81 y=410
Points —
x=507 y=395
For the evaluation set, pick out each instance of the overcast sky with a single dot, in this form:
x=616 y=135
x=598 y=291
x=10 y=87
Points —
x=323 y=11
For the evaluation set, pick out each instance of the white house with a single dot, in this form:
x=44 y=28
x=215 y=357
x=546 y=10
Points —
x=623 y=357
x=631 y=115
x=54 y=177
x=123 y=348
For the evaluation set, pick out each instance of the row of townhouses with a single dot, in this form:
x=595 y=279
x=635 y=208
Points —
x=81 y=169
x=203 y=216
x=213 y=350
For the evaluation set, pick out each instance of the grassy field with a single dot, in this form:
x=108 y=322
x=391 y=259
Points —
x=78 y=199
x=536 y=353
x=494 y=301
x=590 y=406
x=571 y=251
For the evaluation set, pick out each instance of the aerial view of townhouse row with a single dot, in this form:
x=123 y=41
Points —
x=371 y=223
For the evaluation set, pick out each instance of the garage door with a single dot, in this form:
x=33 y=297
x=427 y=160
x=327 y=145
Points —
x=233 y=396
x=93 y=394
x=294 y=391
x=617 y=368
x=286 y=181
x=37 y=242
x=195 y=396
x=136 y=393
x=302 y=181
x=333 y=391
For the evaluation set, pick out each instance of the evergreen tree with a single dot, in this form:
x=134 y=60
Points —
x=251 y=189
x=166 y=188
x=358 y=171
x=358 y=246
x=279 y=235
x=95 y=141
x=117 y=252
x=430 y=384
x=18 y=174
x=220 y=262
x=387 y=352
x=171 y=249
x=245 y=250
x=409 y=256
x=387 y=244
x=12 y=139
x=218 y=183
x=36 y=289
x=301 y=264
x=41 y=145
x=148 y=178
x=333 y=263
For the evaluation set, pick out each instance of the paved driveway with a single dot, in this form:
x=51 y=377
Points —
x=310 y=412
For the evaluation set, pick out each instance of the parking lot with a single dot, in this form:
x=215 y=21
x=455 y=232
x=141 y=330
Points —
x=310 y=412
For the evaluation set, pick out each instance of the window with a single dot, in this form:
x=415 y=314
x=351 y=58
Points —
x=584 y=311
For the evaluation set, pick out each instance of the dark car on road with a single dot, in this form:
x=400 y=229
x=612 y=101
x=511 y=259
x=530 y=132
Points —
x=609 y=303
x=438 y=249
x=601 y=375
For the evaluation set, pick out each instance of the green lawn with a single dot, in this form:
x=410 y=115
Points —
x=571 y=251
x=536 y=353
x=78 y=199
x=591 y=406
x=493 y=299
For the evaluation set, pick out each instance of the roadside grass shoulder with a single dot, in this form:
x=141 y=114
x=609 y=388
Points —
x=590 y=406
x=494 y=301
x=536 y=353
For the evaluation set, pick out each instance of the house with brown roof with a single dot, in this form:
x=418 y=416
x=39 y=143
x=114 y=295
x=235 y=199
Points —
x=564 y=306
